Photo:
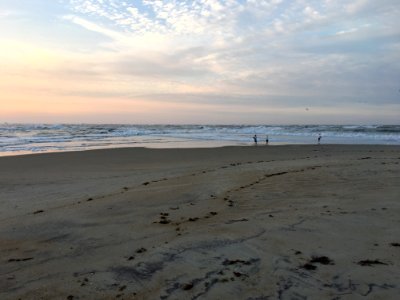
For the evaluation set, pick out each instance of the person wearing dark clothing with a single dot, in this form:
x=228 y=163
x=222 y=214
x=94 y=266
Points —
x=255 y=139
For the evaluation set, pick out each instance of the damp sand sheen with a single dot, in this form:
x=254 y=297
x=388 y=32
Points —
x=281 y=222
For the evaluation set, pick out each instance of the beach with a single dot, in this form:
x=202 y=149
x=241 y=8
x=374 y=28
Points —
x=253 y=222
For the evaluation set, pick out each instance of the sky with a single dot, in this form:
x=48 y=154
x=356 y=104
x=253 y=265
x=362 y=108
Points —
x=200 y=61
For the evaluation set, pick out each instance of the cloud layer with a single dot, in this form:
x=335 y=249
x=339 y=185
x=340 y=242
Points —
x=232 y=55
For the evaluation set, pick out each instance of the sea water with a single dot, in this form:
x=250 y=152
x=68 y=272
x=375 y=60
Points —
x=32 y=138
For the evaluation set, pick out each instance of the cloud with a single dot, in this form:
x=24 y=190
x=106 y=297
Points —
x=94 y=27
x=370 y=7
x=263 y=53
x=5 y=13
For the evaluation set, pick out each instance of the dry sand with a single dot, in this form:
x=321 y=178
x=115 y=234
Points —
x=282 y=222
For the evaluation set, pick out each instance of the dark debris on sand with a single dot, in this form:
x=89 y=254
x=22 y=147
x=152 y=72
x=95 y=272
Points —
x=164 y=219
x=187 y=286
x=308 y=266
x=228 y=262
x=324 y=260
x=141 y=250
x=238 y=274
x=369 y=262
x=20 y=259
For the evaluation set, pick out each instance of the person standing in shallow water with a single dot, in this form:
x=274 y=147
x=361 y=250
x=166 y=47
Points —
x=319 y=138
x=266 y=140
x=255 y=139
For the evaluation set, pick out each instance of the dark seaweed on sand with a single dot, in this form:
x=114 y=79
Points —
x=368 y=262
x=187 y=286
x=20 y=259
x=228 y=262
x=308 y=266
x=324 y=260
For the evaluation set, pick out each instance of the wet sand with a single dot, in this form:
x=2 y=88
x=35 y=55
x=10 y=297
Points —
x=281 y=222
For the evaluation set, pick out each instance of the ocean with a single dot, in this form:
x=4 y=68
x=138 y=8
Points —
x=18 y=139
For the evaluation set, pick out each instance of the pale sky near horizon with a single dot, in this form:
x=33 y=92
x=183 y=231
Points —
x=201 y=61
